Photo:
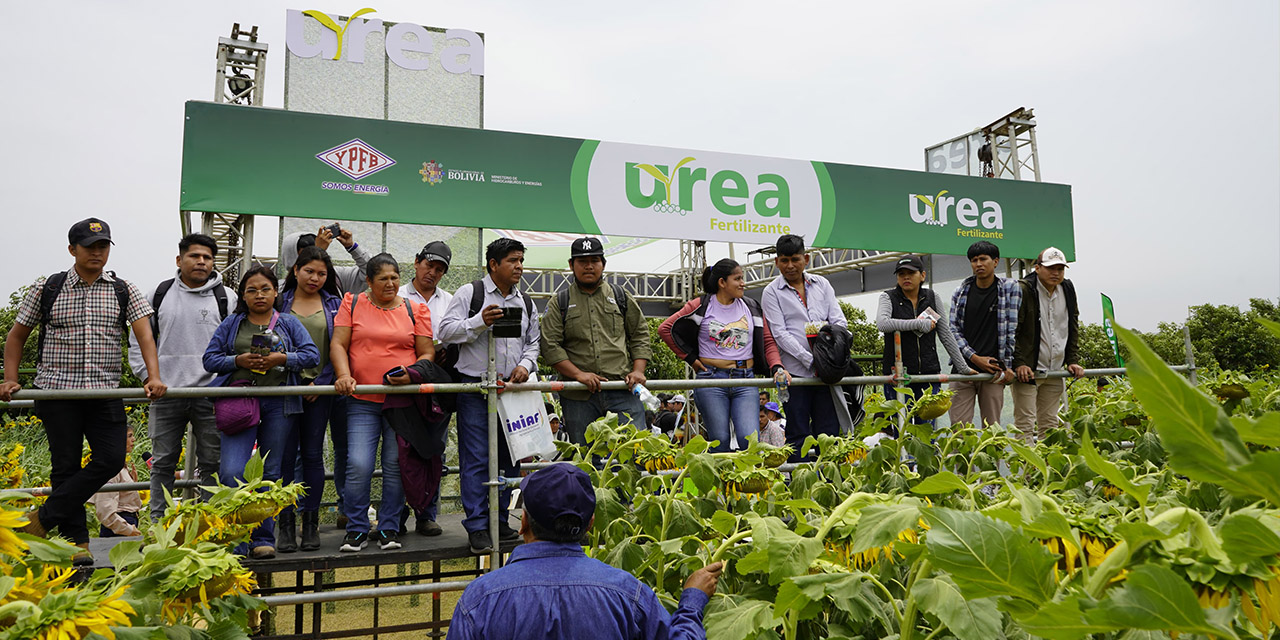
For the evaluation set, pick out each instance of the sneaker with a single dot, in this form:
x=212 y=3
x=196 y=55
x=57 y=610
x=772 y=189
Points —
x=388 y=540
x=354 y=541
x=507 y=534
x=264 y=552
x=82 y=558
x=480 y=542
x=426 y=527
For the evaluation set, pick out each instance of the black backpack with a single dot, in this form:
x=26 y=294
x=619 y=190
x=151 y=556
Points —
x=49 y=293
x=219 y=292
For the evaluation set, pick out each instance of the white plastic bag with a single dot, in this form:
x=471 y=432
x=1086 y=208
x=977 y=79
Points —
x=523 y=417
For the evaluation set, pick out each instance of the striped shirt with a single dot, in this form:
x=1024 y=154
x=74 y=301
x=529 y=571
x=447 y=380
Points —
x=82 y=346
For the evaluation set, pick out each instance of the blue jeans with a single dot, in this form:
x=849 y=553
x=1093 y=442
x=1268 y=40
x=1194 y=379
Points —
x=167 y=426
x=473 y=461
x=365 y=428
x=721 y=404
x=269 y=436
x=304 y=451
x=580 y=413
x=810 y=412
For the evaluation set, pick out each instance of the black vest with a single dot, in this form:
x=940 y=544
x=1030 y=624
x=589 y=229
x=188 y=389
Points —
x=919 y=352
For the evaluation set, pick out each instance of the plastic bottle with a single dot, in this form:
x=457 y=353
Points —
x=647 y=398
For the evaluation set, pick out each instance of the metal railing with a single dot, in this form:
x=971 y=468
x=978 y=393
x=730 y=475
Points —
x=491 y=386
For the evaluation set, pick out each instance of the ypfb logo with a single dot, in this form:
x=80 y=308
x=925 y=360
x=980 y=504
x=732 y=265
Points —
x=937 y=211
x=701 y=195
x=356 y=158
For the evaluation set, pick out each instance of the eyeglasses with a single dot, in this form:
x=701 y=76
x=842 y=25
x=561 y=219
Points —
x=253 y=293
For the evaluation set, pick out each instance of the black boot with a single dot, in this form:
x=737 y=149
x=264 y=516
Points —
x=310 y=530
x=286 y=532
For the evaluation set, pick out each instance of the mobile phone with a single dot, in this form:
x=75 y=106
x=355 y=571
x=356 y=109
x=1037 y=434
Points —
x=398 y=371
x=508 y=326
x=335 y=229
x=260 y=344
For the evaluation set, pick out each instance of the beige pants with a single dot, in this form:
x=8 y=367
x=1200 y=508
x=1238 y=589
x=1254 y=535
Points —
x=1035 y=407
x=989 y=397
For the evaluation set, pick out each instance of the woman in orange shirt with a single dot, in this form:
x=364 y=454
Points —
x=376 y=335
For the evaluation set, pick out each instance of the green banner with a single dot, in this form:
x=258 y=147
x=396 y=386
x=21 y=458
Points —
x=253 y=160
x=1108 y=325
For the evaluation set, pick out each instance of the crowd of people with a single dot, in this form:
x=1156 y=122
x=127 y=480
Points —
x=349 y=326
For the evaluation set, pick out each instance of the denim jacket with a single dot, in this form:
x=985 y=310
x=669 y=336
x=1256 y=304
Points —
x=330 y=303
x=553 y=590
x=300 y=352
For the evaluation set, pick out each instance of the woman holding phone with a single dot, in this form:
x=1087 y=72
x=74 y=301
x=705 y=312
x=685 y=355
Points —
x=723 y=335
x=921 y=318
x=376 y=335
x=259 y=346
x=311 y=295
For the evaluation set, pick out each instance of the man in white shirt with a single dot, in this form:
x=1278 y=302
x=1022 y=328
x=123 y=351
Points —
x=429 y=267
x=475 y=308
x=791 y=302
x=1047 y=340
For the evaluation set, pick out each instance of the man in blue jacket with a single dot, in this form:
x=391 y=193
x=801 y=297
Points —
x=551 y=589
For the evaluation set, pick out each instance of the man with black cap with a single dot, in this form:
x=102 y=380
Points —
x=594 y=332
x=429 y=267
x=84 y=314
x=551 y=589
x=1047 y=339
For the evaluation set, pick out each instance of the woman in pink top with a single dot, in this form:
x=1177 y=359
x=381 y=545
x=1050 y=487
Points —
x=376 y=335
x=723 y=335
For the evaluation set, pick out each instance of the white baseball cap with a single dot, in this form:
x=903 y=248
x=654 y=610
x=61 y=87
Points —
x=1053 y=256
x=678 y=398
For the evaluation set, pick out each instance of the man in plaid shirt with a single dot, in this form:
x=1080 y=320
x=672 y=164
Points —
x=81 y=349
x=984 y=319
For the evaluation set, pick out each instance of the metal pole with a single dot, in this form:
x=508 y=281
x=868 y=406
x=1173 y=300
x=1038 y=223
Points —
x=1191 y=355
x=189 y=465
x=898 y=372
x=491 y=381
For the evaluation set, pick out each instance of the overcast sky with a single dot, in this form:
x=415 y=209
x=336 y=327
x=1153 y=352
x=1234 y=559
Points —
x=1164 y=117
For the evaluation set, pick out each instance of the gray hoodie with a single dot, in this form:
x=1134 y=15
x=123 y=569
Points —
x=187 y=320
x=350 y=279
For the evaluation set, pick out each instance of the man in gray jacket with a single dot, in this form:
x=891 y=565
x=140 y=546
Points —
x=350 y=279
x=188 y=308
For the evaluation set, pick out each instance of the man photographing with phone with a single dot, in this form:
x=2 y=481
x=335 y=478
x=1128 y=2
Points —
x=475 y=308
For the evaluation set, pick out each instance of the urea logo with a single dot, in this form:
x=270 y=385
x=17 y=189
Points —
x=636 y=190
x=937 y=210
x=671 y=189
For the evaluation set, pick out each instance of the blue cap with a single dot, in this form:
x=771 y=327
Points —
x=772 y=406
x=559 y=490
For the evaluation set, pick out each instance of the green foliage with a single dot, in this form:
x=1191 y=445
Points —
x=867 y=340
x=664 y=365
x=7 y=316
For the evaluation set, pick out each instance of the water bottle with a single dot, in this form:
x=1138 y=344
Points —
x=276 y=345
x=647 y=398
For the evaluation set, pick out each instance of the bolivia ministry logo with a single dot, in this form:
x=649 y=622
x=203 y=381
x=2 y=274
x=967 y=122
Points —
x=356 y=158
x=432 y=172
x=938 y=208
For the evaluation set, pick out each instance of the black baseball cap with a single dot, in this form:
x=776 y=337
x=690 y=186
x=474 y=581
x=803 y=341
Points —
x=436 y=250
x=588 y=246
x=559 y=490
x=89 y=231
x=913 y=263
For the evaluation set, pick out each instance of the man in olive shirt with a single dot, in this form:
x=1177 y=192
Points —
x=594 y=333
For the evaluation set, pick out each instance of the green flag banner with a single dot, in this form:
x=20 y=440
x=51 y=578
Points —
x=1108 y=325
x=254 y=160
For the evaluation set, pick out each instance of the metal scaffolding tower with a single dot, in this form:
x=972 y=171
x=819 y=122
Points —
x=1012 y=141
x=241 y=72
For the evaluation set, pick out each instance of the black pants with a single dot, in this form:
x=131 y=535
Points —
x=67 y=425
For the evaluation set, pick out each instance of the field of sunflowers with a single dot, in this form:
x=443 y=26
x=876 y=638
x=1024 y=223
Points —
x=1153 y=513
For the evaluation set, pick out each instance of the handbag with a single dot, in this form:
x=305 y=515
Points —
x=524 y=420
x=233 y=415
